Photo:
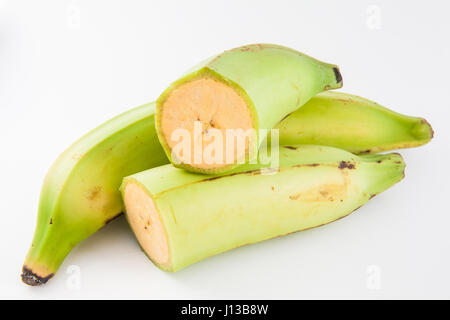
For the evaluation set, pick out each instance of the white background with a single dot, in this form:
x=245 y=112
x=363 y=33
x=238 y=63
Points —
x=67 y=66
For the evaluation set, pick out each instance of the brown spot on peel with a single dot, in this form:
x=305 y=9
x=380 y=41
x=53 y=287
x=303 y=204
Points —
x=338 y=75
x=253 y=47
x=285 y=117
x=212 y=178
x=94 y=193
x=346 y=164
x=322 y=193
x=294 y=197
x=32 y=279
x=250 y=172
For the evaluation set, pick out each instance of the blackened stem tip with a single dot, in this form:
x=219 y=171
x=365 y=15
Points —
x=32 y=279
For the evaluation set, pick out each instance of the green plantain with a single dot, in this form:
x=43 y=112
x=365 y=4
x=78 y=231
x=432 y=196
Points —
x=180 y=217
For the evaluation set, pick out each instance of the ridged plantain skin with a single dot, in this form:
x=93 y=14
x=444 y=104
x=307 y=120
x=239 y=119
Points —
x=206 y=215
x=354 y=124
x=273 y=80
x=80 y=192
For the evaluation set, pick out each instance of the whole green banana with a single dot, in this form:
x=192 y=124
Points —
x=80 y=192
x=244 y=89
x=354 y=124
x=180 y=218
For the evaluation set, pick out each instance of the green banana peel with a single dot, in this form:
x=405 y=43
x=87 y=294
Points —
x=180 y=218
x=80 y=192
x=354 y=124
x=249 y=88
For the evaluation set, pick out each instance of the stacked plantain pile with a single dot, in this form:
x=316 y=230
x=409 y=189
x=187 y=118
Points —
x=199 y=197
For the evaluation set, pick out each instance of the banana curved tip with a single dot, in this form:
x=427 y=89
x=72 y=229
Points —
x=423 y=130
x=32 y=279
